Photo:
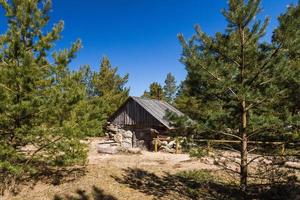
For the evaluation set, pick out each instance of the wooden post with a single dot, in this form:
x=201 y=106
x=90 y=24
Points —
x=177 y=145
x=282 y=149
x=155 y=144
x=208 y=146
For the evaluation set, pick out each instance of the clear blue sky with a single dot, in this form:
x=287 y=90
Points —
x=140 y=36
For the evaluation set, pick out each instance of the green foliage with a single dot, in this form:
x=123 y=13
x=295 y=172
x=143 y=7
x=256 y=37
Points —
x=288 y=36
x=110 y=86
x=170 y=88
x=45 y=109
x=239 y=83
x=106 y=92
x=198 y=152
x=190 y=105
x=39 y=100
x=233 y=66
x=155 y=92
x=184 y=125
x=199 y=176
x=167 y=93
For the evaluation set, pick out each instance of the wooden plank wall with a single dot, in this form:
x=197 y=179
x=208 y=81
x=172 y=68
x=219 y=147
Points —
x=132 y=114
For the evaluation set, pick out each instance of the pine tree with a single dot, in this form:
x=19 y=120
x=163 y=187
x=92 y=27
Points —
x=110 y=86
x=93 y=109
x=188 y=104
x=170 y=88
x=234 y=77
x=155 y=92
x=38 y=99
x=288 y=35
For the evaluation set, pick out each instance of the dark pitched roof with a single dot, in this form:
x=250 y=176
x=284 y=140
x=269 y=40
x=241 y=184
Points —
x=158 y=109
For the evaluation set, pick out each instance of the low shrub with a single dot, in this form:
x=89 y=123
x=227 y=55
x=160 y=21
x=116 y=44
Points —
x=198 y=152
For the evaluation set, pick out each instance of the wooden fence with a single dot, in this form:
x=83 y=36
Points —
x=209 y=144
x=282 y=145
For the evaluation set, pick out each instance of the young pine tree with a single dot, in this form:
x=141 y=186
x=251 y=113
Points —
x=170 y=88
x=93 y=109
x=109 y=86
x=234 y=76
x=155 y=92
x=37 y=98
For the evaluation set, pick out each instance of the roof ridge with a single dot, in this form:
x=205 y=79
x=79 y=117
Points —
x=147 y=98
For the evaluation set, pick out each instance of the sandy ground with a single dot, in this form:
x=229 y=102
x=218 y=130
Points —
x=147 y=160
x=103 y=171
x=104 y=174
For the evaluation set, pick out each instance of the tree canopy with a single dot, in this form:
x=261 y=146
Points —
x=43 y=105
x=170 y=88
x=155 y=91
x=39 y=99
x=110 y=86
x=237 y=81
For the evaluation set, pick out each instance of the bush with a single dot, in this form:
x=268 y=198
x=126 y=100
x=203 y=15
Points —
x=198 y=152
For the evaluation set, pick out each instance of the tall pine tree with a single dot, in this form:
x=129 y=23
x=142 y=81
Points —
x=38 y=99
x=234 y=78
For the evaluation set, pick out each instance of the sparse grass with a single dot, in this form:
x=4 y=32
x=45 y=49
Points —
x=198 y=152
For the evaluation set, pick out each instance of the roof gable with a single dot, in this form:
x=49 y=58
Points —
x=158 y=109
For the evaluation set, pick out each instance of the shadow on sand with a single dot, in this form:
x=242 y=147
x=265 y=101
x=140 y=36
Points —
x=97 y=194
x=57 y=176
x=200 y=186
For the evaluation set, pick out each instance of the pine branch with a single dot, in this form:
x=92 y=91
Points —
x=228 y=169
x=210 y=73
x=263 y=129
x=222 y=97
x=230 y=159
x=265 y=64
x=251 y=150
x=224 y=56
x=256 y=103
x=32 y=114
x=231 y=149
x=267 y=81
x=262 y=100
x=227 y=134
x=253 y=159
x=7 y=88
x=218 y=79
x=41 y=148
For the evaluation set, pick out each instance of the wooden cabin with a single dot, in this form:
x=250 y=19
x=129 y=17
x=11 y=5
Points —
x=141 y=116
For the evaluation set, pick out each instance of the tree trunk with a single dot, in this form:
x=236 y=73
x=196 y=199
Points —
x=244 y=151
x=243 y=122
